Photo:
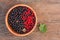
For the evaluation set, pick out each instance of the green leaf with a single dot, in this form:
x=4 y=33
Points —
x=43 y=28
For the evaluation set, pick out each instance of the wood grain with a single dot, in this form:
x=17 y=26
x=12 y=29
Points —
x=48 y=12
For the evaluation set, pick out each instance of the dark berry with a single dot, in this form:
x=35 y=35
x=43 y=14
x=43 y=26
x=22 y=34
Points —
x=21 y=19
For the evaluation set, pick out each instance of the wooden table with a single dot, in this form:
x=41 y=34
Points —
x=48 y=12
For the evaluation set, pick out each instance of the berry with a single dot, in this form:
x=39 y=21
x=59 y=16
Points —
x=21 y=19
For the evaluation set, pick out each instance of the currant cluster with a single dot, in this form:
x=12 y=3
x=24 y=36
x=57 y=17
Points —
x=21 y=19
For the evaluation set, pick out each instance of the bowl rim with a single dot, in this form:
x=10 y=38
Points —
x=7 y=25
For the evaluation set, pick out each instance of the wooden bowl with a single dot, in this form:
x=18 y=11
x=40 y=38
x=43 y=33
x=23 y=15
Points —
x=8 y=25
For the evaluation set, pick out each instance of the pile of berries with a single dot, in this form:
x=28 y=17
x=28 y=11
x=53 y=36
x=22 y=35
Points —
x=21 y=19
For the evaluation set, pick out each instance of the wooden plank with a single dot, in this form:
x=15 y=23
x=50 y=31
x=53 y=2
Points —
x=48 y=12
